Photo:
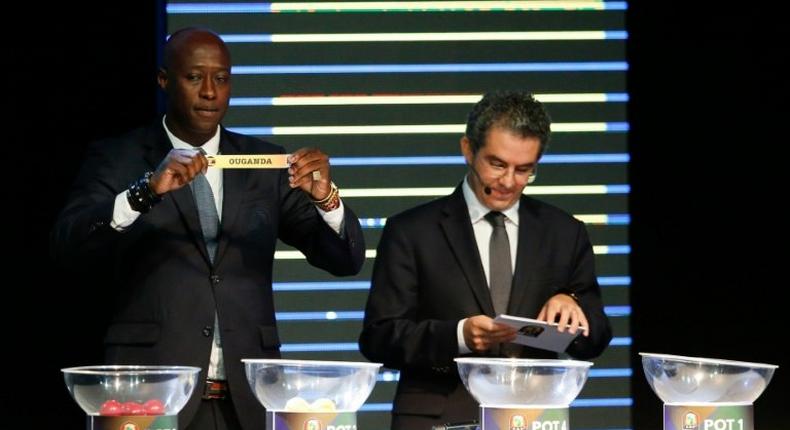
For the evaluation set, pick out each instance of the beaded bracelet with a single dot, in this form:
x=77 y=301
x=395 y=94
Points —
x=332 y=188
x=331 y=201
x=140 y=196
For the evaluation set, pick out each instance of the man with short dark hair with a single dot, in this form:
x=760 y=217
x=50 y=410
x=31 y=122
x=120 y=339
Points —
x=444 y=269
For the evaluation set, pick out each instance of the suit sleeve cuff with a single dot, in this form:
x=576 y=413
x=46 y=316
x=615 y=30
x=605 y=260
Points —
x=334 y=219
x=462 y=348
x=122 y=214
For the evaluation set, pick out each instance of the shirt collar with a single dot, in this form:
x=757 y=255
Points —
x=477 y=210
x=211 y=146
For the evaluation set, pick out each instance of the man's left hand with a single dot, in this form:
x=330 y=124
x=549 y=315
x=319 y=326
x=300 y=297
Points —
x=304 y=163
x=563 y=309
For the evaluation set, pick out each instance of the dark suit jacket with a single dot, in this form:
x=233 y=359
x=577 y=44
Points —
x=428 y=276
x=167 y=289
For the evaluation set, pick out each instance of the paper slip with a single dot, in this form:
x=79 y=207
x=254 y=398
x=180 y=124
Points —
x=248 y=161
x=538 y=334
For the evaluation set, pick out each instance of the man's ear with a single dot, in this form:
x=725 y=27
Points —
x=466 y=150
x=161 y=78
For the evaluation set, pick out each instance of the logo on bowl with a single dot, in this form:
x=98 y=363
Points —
x=312 y=425
x=691 y=421
x=517 y=422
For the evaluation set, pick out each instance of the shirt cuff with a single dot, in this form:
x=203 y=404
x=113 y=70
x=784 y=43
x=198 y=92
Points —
x=122 y=214
x=462 y=348
x=334 y=218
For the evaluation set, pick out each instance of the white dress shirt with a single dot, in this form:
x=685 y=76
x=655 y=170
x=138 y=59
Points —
x=483 y=230
x=123 y=216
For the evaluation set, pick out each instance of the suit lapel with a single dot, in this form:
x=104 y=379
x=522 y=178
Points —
x=233 y=181
x=182 y=198
x=527 y=255
x=457 y=229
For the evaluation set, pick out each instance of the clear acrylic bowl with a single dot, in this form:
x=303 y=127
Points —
x=164 y=390
x=519 y=383
x=311 y=386
x=691 y=380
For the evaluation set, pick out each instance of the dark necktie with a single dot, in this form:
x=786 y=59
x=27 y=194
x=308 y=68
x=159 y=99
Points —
x=207 y=211
x=500 y=272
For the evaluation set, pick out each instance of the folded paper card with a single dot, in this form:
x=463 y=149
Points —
x=539 y=334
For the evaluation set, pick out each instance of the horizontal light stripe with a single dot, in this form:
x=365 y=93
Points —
x=606 y=281
x=559 y=127
x=388 y=376
x=320 y=316
x=297 y=255
x=602 y=402
x=393 y=6
x=396 y=192
x=424 y=37
x=622 y=219
x=612 y=311
x=371 y=253
x=435 y=6
x=372 y=222
x=578 y=403
x=376 y=407
x=443 y=191
x=321 y=346
x=318 y=69
x=617 y=311
x=353 y=346
x=620 y=341
x=365 y=285
x=201 y=8
x=617 y=126
x=457 y=160
x=617 y=97
x=594 y=219
x=614 y=372
x=321 y=286
x=618 y=189
x=252 y=101
x=329 y=100
x=612 y=249
x=621 y=372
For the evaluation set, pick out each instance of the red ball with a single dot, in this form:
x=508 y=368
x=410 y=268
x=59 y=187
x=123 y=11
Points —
x=133 y=408
x=112 y=408
x=154 y=407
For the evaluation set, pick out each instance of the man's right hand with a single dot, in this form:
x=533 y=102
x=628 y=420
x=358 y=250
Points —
x=179 y=168
x=481 y=333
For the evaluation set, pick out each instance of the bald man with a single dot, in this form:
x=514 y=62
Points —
x=191 y=247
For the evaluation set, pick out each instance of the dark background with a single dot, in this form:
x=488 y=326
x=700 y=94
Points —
x=708 y=89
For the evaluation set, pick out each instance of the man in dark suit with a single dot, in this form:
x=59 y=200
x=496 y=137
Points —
x=191 y=247
x=445 y=268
